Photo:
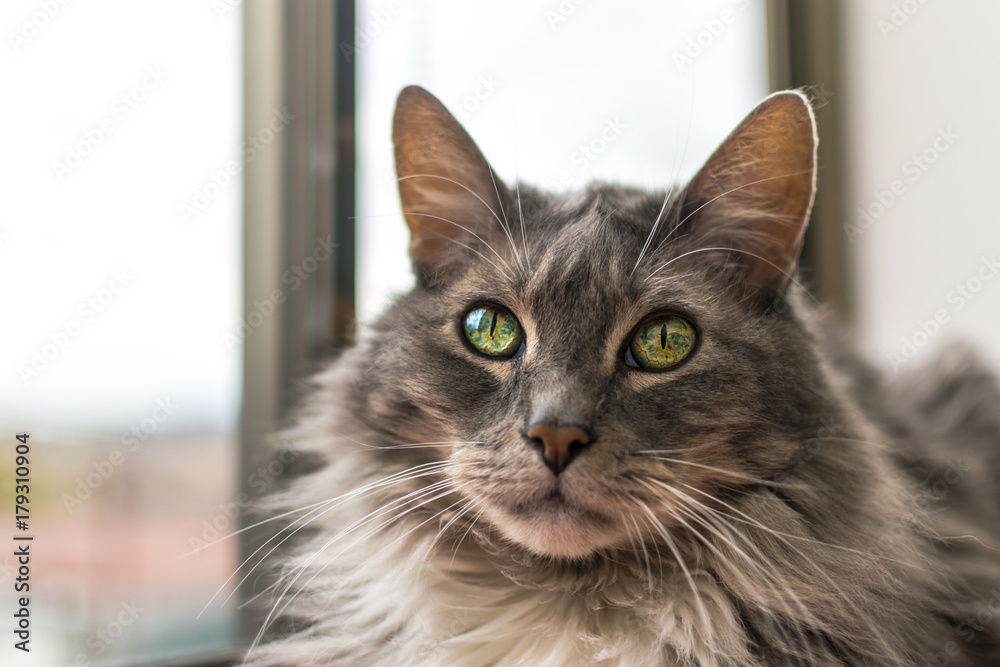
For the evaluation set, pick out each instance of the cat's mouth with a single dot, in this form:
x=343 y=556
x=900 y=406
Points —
x=555 y=497
x=554 y=523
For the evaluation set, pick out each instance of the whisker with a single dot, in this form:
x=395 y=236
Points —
x=468 y=530
x=520 y=212
x=731 y=473
x=702 y=611
x=333 y=503
x=641 y=544
x=652 y=232
x=508 y=272
x=790 y=277
x=502 y=222
x=417 y=445
x=968 y=537
x=465 y=229
x=674 y=171
x=468 y=504
x=506 y=223
x=878 y=635
x=420 y=500
x=300 y=509
x=729 y=192
x=419 y=496
x=808 y=540
x=454 y=182
x=767 y=574
x=680 y=450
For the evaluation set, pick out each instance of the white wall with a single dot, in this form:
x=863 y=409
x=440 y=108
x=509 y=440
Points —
x=923 y=106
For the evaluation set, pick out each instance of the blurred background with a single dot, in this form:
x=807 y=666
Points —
x=199 y=206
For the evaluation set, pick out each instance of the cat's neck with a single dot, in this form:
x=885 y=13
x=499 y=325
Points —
x=459 y=606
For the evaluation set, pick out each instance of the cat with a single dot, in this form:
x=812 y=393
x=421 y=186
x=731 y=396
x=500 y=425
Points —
x=609 y=428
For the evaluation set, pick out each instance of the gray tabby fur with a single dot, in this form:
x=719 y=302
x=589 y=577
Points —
x=827 y=515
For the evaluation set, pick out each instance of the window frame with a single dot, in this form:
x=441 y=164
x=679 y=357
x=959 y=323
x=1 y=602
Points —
x=301 y=190
x=805 y=50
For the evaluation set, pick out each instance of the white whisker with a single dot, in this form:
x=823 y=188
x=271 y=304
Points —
x=670 y=542
x=730 y=473
x=508 y=272
x=326 y=506
x=419 y=497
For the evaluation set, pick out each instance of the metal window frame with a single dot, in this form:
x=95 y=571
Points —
x=300 y=188
x=805 y=50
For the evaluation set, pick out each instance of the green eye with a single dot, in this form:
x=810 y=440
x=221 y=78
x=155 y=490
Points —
x=661 y=342
x=493 y=331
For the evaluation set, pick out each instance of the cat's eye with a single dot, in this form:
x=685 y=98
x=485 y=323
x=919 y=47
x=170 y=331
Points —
x=493 y=331
x=660 y=342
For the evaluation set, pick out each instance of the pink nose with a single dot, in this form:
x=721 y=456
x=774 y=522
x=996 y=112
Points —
x=559 y=444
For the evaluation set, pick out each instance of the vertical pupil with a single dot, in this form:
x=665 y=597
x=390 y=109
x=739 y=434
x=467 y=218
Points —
x=493 y=324
x=663 y=336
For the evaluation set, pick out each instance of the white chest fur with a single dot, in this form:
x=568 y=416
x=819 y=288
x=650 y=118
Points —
x=463 y=612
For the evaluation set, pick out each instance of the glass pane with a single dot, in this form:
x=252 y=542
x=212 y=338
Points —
x=555 y=93
x=120 y=275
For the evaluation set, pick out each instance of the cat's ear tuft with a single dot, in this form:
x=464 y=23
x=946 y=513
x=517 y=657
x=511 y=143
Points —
x=755 y=192
x=451 y=197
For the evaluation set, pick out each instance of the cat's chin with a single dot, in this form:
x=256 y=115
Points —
x=557 y=530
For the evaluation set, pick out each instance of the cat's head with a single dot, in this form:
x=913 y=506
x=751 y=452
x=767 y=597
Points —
x=595 y=365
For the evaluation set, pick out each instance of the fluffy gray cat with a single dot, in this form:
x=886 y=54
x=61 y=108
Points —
x=607 y=428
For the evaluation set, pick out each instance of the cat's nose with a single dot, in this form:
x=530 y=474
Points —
x=559 y=444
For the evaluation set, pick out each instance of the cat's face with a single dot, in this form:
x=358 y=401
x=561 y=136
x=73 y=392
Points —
x=592 y=379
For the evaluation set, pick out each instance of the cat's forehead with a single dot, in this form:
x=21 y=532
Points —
x=594 y=241
x=594 y=231
x=585 y=248
x=583 y=274
x=578 y=258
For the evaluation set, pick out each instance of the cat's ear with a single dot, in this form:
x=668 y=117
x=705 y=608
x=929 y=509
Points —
x=451 y=196
x=755 y=193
